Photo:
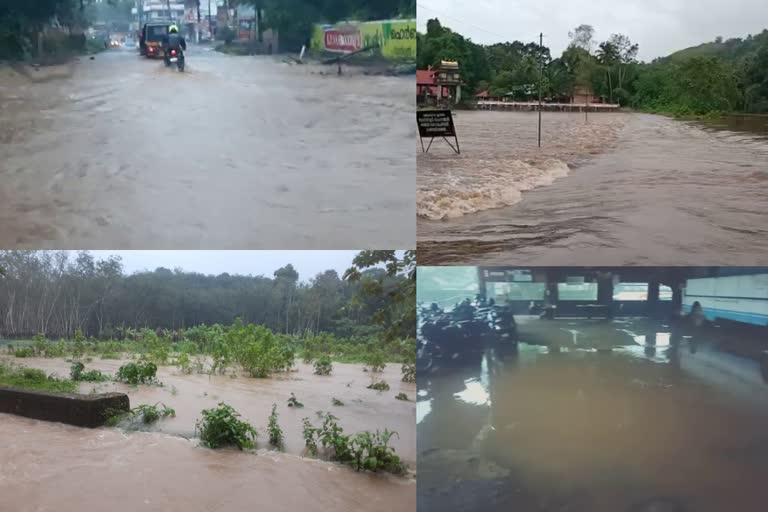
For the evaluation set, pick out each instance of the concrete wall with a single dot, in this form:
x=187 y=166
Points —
x=80 y=410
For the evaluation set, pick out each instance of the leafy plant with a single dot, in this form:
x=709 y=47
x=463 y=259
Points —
x=402 y=396
x=184 y=364
x=375 y=360
x=78 y=347
x=275 y=432
x=151 y=413
x=370 y=451
x=379 y=386
x=323 y=366
x=39 y=345
x=78 y=374
x=310 y=433
x=408 y=372
x=222 y=426
x=142 y=372
x=293 y=402
x=336 y=401
x=24 y=352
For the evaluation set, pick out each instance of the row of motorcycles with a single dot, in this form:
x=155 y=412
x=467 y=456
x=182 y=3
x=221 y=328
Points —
x=466 y=329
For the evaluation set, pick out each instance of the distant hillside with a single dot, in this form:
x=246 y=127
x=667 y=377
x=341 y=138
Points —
x=731 y=49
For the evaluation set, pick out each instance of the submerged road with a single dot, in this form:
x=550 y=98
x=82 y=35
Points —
x=237 y=152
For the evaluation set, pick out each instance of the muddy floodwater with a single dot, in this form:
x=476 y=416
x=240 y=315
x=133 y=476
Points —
x=46 y=465
x=596 y=416
x=237 y=152
x=624 y=188
x=54 y=467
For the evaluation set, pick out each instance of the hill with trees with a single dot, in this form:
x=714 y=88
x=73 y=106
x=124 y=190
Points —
x=717 y=77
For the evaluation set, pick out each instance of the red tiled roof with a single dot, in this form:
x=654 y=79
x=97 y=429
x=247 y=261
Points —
x=483 y=94
x=425 y=77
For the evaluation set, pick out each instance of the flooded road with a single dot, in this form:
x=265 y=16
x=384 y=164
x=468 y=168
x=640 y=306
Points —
x=47 y=467
x=128 y=154
x=625 y=189
x=595 y=416
x=363 y=409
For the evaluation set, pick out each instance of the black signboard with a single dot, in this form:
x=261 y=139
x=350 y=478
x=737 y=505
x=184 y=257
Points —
x=436 y=123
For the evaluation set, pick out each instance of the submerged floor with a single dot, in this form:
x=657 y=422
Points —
x=595 y=416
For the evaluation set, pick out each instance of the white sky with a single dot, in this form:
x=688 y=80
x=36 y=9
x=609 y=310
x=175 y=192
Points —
x=307 y=263
x=660 y=27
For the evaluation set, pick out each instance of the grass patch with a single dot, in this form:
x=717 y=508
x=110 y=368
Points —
x=31 y=378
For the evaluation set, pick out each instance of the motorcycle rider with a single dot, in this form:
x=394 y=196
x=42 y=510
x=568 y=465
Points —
x=174 y=41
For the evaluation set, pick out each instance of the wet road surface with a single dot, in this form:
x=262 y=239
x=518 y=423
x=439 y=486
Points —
x=596 y=416
x=654 y=192
x=237 y=152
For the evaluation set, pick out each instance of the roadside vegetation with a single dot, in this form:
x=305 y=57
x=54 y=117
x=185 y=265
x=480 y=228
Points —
x=722 y=76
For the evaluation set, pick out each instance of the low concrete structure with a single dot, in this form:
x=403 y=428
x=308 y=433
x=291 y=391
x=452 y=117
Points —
x=80 y=410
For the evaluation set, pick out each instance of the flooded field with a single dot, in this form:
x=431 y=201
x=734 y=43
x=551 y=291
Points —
x=127 y=154
x=364 y=409
x=623 y=189
x=54 y=467
x=164 y=469
x=596 y=416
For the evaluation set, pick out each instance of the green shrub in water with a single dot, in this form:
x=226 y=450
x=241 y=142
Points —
x=293 y=402
x=151 y=413
x=408 y=371
x=310 y=433
x=374 y=361
x=222 y=426
x=379 y=386
x=184 y=364
x=323 y=366
x=142 y=372
x=402 y=396
x=275 y=432
x=337 y=402
x=24 y=352
x=78 y=374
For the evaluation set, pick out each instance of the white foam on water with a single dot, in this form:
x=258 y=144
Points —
x=487 y=188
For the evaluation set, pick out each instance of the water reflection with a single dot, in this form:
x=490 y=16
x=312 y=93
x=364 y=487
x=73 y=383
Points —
x=595 y=416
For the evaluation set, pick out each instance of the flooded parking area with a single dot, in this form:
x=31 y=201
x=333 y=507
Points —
x=597 y=416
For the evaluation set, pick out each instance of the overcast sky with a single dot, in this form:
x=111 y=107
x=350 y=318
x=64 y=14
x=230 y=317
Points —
x=660 y=27
x=307 y=263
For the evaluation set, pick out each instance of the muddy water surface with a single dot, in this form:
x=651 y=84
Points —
x=50 y=467
x=364 y=409
x=624 y=188
x=595 y=417
x=128 y=154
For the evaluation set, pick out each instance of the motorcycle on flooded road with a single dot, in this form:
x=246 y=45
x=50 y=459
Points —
x=175 y=56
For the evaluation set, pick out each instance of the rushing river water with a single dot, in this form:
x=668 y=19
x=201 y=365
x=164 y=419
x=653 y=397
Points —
x=48 y=466
x=596 y=416
x=620 y=189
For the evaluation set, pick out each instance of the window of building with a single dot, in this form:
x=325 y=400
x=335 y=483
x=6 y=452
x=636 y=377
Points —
x=630 y=292
x=577 y=291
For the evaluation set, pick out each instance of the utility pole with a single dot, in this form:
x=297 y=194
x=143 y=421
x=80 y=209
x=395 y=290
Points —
x=210 y=27
x=541 y=77
x=199 y=27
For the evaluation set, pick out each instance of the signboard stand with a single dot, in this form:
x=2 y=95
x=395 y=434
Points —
x=437 y=123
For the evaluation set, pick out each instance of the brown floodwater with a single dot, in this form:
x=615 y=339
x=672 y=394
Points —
x=596 y=416
x=235 y=153
x=363 y=409
x=59 y=468
x=623 y=189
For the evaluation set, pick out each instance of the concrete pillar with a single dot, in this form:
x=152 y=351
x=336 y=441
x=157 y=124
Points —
x=653 y=299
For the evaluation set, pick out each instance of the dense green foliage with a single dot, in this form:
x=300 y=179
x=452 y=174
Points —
x=222 y=426
x=724 y=76
x=77 y=373
x=364 y=451
x=30 y=378
x=142 y=372
x=96 y=297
